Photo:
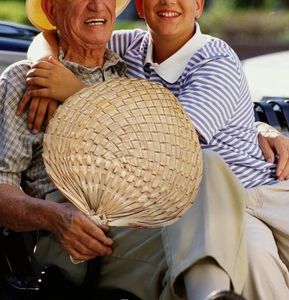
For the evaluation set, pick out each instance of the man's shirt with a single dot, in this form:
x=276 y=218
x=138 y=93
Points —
x=21 y=162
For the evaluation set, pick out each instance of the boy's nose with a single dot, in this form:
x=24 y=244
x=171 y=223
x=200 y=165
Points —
x=168 y=1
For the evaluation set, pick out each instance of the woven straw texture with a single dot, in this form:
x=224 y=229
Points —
x=125 y=153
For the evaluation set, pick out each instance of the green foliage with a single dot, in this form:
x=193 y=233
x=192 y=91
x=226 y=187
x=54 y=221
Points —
x=249 y=3
x=242 y=4
x=259 y=25
x=13 y=10
x=130 y=24
x=220 y=19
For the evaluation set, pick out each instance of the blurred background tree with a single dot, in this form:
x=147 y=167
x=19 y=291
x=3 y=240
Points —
x=13 y=10
x=263 y=4
x=244 y=24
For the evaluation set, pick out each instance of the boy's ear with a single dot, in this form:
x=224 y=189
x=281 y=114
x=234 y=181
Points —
x=139 y=8
x=48 y=8
x=199 y=8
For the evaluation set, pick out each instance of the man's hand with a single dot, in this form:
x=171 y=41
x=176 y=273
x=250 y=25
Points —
x=41 y=110
x=78 y=235
x=276 y=145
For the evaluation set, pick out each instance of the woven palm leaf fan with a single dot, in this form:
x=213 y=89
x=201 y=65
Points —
x=125 y=153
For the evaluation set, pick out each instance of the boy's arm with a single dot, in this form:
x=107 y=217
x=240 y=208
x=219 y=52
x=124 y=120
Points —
x=49 y=82
x=44 y=44
x=208 y=115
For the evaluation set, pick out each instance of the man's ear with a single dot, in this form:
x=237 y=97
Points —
x=48 y=7
x=139 y=8
x=199 y=8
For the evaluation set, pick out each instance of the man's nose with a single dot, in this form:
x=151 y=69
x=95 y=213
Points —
x=95 y=4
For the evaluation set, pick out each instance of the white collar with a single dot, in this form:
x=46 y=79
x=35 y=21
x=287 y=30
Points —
x=178 y=61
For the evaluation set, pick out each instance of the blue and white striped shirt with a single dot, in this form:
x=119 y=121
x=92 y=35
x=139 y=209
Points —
x=207 y=78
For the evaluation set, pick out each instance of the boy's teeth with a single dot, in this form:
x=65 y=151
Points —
x=168 y=14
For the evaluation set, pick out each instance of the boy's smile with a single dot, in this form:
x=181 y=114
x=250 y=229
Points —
x=168 y=14
x=171 y=23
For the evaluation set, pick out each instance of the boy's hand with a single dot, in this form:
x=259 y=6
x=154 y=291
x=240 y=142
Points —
x=53 y=79
x=49 y=83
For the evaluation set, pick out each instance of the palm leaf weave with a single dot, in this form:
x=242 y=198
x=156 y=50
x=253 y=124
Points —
x=125 y=153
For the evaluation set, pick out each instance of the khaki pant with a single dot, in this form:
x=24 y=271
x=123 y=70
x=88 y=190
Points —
x=150 y=262
x=268 y=242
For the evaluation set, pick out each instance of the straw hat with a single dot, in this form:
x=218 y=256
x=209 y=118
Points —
x=125 y=153
x=37 y=17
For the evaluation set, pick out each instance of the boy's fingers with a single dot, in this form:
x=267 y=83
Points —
x=38 y=73
x=37 y=81
x=41 y=65
x=54 y=61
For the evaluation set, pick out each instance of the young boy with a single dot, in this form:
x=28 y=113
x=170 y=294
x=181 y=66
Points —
x=206 y=76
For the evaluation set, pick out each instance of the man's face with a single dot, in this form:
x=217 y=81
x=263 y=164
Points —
x=89 y=22
x=171 y=18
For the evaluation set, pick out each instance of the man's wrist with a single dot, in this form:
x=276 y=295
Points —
x=267 y=130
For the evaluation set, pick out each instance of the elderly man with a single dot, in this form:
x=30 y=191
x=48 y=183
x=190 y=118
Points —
x=84 y=28
x=83 y=43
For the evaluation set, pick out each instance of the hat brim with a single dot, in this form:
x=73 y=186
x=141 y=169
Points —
x=37 y=17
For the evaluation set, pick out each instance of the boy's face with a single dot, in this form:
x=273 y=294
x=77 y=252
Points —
x=170 y=18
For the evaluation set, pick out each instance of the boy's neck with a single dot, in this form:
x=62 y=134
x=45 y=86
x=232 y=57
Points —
x=165 y=47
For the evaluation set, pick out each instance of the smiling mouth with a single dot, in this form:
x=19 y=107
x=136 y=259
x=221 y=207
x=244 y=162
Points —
x=95 y=22
x=168 y=14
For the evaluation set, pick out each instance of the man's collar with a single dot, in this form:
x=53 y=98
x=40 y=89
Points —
x=178 y=61
x=111 y=60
